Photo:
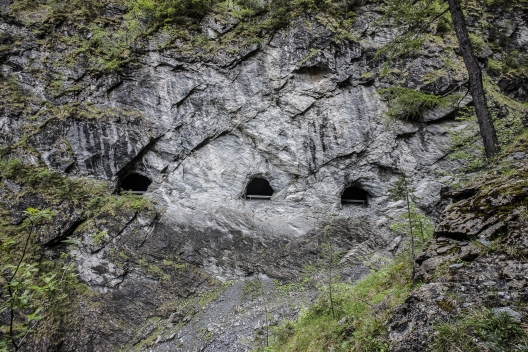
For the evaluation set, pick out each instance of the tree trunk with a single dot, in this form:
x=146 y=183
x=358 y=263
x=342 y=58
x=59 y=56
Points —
x=411 y=232
x=331 y=249
x=487 y=130
x=266 y=316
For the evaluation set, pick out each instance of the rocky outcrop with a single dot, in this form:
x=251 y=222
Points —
x=477 y=258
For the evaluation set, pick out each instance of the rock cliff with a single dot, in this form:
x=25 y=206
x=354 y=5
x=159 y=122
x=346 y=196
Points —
x=477 y=258
x=301 y=109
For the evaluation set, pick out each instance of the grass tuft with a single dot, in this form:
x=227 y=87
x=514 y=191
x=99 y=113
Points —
x=479 y=330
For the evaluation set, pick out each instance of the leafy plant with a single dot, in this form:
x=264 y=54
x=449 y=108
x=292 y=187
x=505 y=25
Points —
x=24 y=293
x=98 y=237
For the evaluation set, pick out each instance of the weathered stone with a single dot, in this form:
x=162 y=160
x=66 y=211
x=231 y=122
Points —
x=444 y=249
x=297 y=110
x=469 y=252
x=455 y=266
x=484 y=242
x=515 y=317
x=426 y=269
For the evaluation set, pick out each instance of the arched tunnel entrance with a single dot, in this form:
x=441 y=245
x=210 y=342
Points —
x=259 y=188
x=354 y=196
x=135 y=183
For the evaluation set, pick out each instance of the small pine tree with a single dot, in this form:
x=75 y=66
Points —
x=422 y=226
x=331 y=257
x=417 y=226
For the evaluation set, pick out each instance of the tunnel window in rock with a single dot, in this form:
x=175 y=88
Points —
x=259 y=188
x=135 y=183
x=354 y=196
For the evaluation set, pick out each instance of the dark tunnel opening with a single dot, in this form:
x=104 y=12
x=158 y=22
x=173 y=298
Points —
x=259 y=188
x=136 y=183
x=354 y=196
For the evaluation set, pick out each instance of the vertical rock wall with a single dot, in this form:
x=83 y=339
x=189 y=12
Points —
x=298 y=111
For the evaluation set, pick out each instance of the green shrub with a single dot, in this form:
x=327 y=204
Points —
x=510 y=111
x=466 y=143
x=98 y=237
x=409 y=104
x=160 y=12
x=478 y=43
x=514 y=64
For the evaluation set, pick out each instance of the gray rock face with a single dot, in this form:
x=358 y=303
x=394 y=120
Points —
x=295 y=111
x=282 y=115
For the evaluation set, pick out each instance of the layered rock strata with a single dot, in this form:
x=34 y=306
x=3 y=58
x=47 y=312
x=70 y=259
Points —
x=300 y=110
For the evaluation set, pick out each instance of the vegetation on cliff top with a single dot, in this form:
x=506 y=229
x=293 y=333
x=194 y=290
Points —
x=107 y=35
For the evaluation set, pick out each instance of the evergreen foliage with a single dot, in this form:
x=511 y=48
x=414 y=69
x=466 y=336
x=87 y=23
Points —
x=164 y=12
x=421 y=225
x=409 y=104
